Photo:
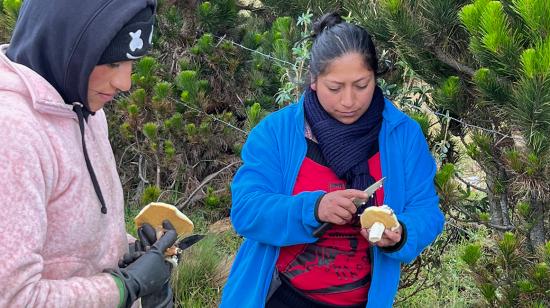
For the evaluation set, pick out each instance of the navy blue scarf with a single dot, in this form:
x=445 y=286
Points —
x=346 y=147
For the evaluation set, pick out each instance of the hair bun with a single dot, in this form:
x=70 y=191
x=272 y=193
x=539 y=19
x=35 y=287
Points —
x=326 y=21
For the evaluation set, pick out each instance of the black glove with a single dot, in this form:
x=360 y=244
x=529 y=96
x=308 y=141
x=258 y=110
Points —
x=149 y=273
x=146 y=237
x=164 y=298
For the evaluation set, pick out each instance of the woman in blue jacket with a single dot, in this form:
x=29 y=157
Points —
x=304 y=165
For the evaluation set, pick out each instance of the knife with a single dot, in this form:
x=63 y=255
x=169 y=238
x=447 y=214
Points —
x=357 y=202
x=189 y=241
x=185 y=243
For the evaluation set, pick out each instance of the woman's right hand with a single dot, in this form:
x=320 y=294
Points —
x=337 y=207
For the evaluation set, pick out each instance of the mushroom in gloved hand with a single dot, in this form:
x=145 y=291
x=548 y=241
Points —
x=378 y=218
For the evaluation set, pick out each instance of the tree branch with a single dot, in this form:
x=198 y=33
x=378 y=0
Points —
x=470 y=184
x=250 y=8
x=204 y=182
x=447 y=59
x=139 y=170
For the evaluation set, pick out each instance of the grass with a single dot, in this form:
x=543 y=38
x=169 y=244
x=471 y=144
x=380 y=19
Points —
x=453 y=285
x=201 y=274
x=203 y=269
x=199 y=278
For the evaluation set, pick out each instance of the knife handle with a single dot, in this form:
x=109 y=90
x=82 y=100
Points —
x=322 y=229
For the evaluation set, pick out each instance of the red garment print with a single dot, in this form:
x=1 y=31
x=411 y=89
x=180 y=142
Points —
x=336 y=268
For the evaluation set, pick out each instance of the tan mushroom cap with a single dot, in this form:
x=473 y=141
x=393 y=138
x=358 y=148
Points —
x=383 y=214
x=156 y=212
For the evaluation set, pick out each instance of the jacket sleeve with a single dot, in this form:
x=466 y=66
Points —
x=421 y=215
x=27 y=174
x=262 y=210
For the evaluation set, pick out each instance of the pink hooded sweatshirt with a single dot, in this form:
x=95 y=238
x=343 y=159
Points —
x=54 y=240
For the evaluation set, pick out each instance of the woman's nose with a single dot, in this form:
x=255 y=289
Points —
x=347 y=98
x=122 y=79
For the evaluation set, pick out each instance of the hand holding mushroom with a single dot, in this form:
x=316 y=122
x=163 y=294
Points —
x=380 y=226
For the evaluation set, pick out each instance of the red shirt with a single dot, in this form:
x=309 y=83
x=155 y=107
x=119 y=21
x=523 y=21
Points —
x=335 y=269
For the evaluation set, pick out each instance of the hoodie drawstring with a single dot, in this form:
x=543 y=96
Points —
x=77 y=107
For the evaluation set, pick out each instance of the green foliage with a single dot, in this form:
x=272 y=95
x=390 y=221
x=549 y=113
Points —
x=188 y=83
x=150 y=130
x=444 y=175
x=492 y=88
x=495 y=27
x=218 y=16
x=524 y=209
x=445 y=284
x=199 y=278
x=471 y=254
x=191 y=130
x=253 y=115
x=161 y=91
x=211 y=199
x=133 y=109
x=175 y=122
x=204 y=45
x=175 y=21
x=9 y=9
x=296 y=7
x=485 y=217
x=144 y=73
x=503 y=274
x=423 y=120
x=194 y=275
x=535 y=62
x=284 y=31
x=508 y=244
x=488 y=290
x=449 y=95
x=138 y=97
x=150 y=194
x=126 y=130
x=536 y=15
x=169 y=149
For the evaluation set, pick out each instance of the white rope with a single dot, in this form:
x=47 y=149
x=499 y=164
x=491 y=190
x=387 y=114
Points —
x=211 y=116
x=457 y=120
x=412 y=106
x=254 y=51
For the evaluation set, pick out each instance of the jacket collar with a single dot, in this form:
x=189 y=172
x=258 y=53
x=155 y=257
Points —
x=45 y=99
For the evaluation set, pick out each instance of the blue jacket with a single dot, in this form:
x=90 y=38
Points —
x=266 y=214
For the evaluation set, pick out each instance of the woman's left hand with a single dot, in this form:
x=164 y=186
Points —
x=389 y=238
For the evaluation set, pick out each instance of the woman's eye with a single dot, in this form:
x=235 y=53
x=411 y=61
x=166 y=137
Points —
x=362 y=86
x=113 y=65
x=333 y=89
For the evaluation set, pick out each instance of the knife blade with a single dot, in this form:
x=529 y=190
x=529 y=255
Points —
x=357 y=202
x=369 y=191
x=189 y=241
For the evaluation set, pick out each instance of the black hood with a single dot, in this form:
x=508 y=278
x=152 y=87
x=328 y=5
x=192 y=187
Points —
x=63 y=40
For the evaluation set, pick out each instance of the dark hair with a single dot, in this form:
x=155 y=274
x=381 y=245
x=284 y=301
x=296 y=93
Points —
x=333 y=37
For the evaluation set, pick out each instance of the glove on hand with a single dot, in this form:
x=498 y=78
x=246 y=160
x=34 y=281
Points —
x=146 y=237
x=148 y=273
x=164 y=298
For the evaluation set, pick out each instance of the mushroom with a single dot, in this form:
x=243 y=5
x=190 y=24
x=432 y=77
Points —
x=156 y=212
x=378 y=218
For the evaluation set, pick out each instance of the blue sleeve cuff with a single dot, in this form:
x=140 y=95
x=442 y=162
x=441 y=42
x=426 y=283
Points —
x=400 y=244
x=408 y=250
x=310 y=210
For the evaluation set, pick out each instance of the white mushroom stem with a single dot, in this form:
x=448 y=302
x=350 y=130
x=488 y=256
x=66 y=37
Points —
x=376 y=232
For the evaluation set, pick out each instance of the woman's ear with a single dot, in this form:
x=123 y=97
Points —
x=313 y=85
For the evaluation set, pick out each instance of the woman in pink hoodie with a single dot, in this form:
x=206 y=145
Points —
x=61 y=203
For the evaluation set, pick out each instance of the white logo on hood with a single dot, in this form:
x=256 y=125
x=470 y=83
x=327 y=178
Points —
x=136 y=42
